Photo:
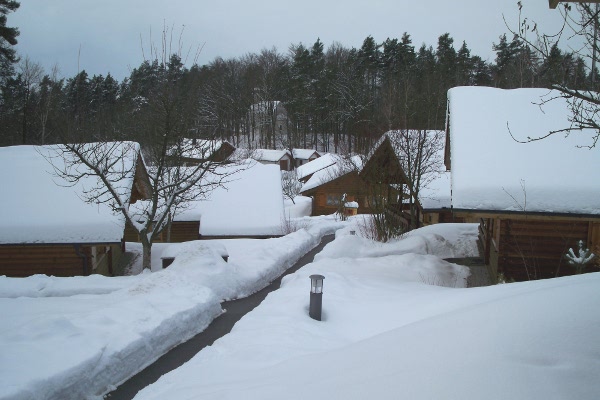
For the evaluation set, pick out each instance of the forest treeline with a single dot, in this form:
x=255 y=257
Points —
x=336 y=99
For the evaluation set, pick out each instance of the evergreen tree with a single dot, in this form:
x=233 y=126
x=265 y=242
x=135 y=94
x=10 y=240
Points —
x=8 y=38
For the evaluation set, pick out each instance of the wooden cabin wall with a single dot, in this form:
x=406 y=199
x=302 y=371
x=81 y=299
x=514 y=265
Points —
x=350 y=184
x=104 y=259
x=534 y=249
x=182 y=231
x=59 y=260
x=27 y=260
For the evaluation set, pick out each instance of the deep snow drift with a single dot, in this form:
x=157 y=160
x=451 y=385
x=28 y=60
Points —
x=386 y=335
x=75 y=337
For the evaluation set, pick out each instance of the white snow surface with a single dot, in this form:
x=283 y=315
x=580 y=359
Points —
x=304 y=154
x=250 y=203
x=302 y=207
x=75 y=338
x=385 y=334
x=341 y=167
x=437 y=192
x=36 y=206
x=315 y=165
x=269 y=155
x=492 y=171
x=396 y=322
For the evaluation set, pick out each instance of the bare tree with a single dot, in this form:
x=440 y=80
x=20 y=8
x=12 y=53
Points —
x=420 y=156
x=166 y=115
x=290 y=184
x=167 y=191
x=580 y=28
x=47 y=99
x=31 y=74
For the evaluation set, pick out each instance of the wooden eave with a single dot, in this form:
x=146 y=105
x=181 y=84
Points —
x=40 y=244
x=383 y=166
x=142 y=189
x=447 y=159
x=532 y=215
x=316 y=188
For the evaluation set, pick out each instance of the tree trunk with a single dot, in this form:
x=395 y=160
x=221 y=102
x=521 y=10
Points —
x=146 y=252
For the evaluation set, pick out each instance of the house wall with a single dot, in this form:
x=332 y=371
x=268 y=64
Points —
x=103 y=259
x=431 y=217
x=56 y=260
x=350 y=184
x=302 y=161
x=524 y=249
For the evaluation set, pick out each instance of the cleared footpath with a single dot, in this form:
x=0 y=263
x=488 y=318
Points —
x=221 y=326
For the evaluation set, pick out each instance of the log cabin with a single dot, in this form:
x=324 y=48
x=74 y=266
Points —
x=385 y=169
x=249 y=204
x=533 y=199
x=46 y=227
x=283 y=158
x=190 y=152
x=303 y=156
x=327 y=187
x=305 y=171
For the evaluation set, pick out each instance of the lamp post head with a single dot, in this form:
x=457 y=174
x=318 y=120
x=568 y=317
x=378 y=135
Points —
x=316 y=283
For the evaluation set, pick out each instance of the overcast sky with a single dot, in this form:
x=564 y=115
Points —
x=107 y=33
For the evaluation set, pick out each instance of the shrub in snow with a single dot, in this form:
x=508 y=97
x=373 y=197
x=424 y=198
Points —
x=584 y=256
x=380 y=227
x=290 y=184
x=291 y=225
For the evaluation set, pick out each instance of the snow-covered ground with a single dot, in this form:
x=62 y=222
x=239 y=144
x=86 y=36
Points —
x=387 y=335
x=72 y=338
x=397 y=323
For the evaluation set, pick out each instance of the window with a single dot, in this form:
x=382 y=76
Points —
x=333 y=200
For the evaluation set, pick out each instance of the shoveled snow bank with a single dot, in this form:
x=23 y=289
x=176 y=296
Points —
x=77 y=337
x=441 y=240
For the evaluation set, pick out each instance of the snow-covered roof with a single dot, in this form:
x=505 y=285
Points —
x=36 y=206
x=437 y=193
x=313 y=166
x=492 y=171
x=250 y=204
x=269 y=155
x=342 y=167
x=197 y=148
x=304 y=154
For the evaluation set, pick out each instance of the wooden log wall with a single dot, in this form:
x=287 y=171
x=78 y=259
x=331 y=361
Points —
x=350 y=184
x=535 y=249
x=27 y=260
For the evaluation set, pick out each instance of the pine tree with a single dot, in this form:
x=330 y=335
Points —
x=8 y=38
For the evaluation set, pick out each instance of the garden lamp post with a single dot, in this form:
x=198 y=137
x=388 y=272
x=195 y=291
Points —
x=316 y=296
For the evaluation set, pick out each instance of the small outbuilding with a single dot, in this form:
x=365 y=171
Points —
x=337 y=184
x=248 y=205
x=401 y=159
x=303 y=156
x=190 y=152
x=283 y=158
